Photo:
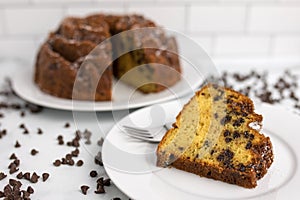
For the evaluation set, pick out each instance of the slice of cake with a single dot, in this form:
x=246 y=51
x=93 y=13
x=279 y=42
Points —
x=212 y=138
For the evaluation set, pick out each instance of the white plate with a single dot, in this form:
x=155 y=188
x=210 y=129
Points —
x=130 y=163
x=124 y=97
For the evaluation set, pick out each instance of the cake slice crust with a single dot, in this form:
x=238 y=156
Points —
x=212 y=138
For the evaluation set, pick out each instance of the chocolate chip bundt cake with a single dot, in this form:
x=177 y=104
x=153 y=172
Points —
x=63 y=59
x=212 y=138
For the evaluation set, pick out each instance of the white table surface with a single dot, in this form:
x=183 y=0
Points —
x=65 y=181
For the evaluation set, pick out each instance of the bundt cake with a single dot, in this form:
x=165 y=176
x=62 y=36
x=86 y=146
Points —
x=63 y=57
x=212 y=137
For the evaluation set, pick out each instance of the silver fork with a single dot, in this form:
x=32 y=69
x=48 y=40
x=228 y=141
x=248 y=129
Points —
x=153 y=134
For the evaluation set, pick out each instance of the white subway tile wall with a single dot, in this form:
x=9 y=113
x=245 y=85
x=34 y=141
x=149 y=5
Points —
x=224 y=28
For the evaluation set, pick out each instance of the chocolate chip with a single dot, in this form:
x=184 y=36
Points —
x=22 y=126
x=238 y=122
x=220 y=157
x=20 y=175
x=227 y=140
x=236 y=135
x=100 y=190
x=225 y=120
x=26 y=176
x=242 y=168
x=60 y=137
x=60 y=142
x=34 y=178
x=2 y=176
x=84 y=189
x=67 y=125
x=70 y=162
x=13 y=156
x=15 y=183
x=45 y=176
x=30 y=190
x=248 y=145
x=17 y=145
x=34 y=108
x=68 y=156
x=57 y=163
x=79 y=163
x=25 y=131
x=216 y=115
x=2 y=194
x=246 y=134
x=13 y=168
x=116 y=198
x=98 y=159
x=22 y=114
x=17 y=162
x=39 y=131
x=75 y=153
x=106 y=182
x=93 y=174
x=100 y=142
x=226 y=133
x=33 y=152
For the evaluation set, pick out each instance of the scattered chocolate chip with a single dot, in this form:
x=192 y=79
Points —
x=25 y=131
x=17 y=145
x=22 y=126
x=98 y=159
x=25 y=195
x=75 y=153
x=79 y=163
x=100 y=142
x=84 y=189
x=93 y=174
x=20 y=175
x=26 y=176
x=2 y=194
x=16 y=162
x=116 y=198
x=34 y=178
x=34 y=108
x=68 y=156
x=39 y=131
x=2 y=176
x=13 y=168
x=45 y=176
x=67 y=125
x=22 y=114
x=106 y=182
x=13 y=156
x=33 y=152
x=70 y=162
x=57 y=163
x=1 y=115
x=30 y=190
x=15 y=183
x=100 y=190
